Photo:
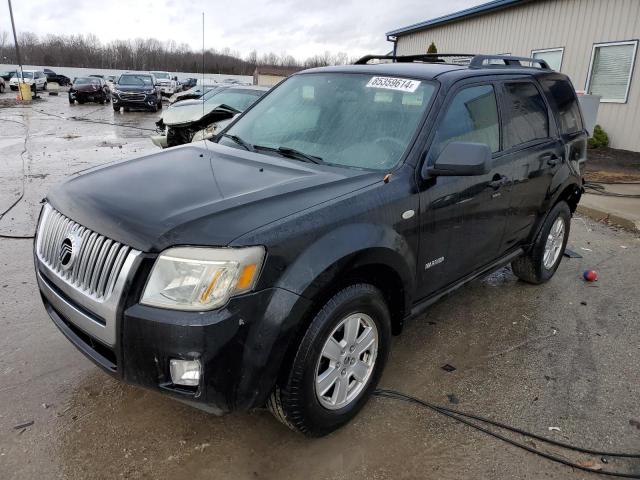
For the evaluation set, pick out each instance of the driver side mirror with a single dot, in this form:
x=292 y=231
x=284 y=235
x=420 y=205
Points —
x=460 y=159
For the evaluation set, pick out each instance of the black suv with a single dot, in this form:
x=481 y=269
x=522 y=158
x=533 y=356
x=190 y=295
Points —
x=271 y=266
x=136 y=90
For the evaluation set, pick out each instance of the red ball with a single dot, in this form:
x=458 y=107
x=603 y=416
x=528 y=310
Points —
x=590 y=275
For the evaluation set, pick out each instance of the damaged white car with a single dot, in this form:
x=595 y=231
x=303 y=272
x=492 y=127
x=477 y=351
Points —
x=195 y=120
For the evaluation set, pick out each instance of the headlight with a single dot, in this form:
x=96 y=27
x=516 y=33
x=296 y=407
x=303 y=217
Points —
x=199 y=278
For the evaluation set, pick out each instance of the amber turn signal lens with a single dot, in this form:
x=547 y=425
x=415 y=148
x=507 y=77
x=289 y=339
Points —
x=246 y=277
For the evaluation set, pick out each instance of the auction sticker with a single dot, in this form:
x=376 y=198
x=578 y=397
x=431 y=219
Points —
x=391 y=83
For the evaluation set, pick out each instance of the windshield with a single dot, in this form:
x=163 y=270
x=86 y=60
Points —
x=139 y=80
x=354 y=120
x=238 y=99
x=26 y=75
x=162 y=75
x=86 y=81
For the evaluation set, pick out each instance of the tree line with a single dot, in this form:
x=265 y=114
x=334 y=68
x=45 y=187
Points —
x=145 y=54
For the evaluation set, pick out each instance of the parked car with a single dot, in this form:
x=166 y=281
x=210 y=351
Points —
x=52 y=76
x=272 y=265
x=89 y=89
x=168 y=84
x=97 y=75
x=136 y=90
x=35 y=78
x=188 y=83
x=111 y=81
x=185 y=121
x=2 y=85
x=193 y=93
x=6 y=76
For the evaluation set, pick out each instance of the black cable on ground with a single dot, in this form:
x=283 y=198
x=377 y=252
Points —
x=89 y=120
x=460 y=417
x=17 y=237
x=24 y=150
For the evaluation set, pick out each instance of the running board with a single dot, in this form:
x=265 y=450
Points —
x=422 y=305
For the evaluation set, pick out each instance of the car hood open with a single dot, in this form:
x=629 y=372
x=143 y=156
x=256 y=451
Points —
x=191 y=111
x=198 y=194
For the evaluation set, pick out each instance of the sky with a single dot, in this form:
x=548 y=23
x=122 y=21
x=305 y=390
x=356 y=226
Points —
x=301 y=28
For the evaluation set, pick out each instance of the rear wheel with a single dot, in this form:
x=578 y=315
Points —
x=544 y=257
x=337 y=365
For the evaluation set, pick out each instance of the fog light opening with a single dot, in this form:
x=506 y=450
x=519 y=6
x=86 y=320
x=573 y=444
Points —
x=185 y=372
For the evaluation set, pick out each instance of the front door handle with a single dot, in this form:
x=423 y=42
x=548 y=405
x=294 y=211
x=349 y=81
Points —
x=498 y=181
x=550 y=158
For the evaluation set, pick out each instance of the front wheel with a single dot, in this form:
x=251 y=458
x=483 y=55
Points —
x=44 y=87
x=540 y=263
x=337 y=365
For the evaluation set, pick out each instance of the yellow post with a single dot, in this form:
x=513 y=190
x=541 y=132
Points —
x=25 y=91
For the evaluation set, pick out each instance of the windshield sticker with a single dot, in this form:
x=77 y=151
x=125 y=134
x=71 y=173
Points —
x=390 y=83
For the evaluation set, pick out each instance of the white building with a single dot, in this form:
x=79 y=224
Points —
x=595 y=42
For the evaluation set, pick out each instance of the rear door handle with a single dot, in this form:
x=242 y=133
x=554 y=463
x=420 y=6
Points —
x=498 y=181
x=550 y=158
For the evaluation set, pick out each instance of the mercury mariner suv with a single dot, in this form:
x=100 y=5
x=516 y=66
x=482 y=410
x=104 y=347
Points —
x=271 y=265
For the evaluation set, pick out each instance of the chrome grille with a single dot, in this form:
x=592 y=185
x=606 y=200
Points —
x=97 y=263
x=135 y=97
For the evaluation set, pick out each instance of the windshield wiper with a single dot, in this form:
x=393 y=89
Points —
x=297 y=154
x=239 y=141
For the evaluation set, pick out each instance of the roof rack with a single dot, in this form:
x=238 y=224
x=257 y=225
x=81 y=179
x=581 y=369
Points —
x=476 y=61
x=423 y=57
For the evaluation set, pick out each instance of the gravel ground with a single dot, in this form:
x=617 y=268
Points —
x=565 y=354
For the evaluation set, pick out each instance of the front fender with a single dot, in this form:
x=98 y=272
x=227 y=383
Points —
x=345 y=248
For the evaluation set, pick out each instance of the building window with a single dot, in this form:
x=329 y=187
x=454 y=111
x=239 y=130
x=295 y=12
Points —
x=610 y=70
x=553 y=56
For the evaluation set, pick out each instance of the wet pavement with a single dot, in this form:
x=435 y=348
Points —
x=565 y=355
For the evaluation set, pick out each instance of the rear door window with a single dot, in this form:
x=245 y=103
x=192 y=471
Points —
x=564 y=96
x=527 y=119
x=472 y=116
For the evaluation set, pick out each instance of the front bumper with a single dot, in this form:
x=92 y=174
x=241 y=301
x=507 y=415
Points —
x=240 y=346
x=136 y=100
x=167 y=90
x=87 y=96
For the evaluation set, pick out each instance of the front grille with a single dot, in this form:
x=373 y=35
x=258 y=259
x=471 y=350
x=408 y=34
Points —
x=97 y=262
x=133 y=97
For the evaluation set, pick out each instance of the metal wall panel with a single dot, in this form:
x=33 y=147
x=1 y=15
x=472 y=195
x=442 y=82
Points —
x=574 y=25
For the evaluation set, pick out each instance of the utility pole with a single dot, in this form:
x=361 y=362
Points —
x=15 y=39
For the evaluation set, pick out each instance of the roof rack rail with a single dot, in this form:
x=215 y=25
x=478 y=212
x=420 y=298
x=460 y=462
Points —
x=423 y=57
x=476 y=61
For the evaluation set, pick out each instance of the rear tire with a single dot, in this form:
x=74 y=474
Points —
x=330 y=380
x=540 y=263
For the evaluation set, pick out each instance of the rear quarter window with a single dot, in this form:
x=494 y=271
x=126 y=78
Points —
x=527 y=118
x=564 y=97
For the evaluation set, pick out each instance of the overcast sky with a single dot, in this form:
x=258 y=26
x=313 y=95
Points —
x=298 y=27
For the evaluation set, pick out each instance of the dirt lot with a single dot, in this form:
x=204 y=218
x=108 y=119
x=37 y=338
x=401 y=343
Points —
x=613 y=166
x=565 y=355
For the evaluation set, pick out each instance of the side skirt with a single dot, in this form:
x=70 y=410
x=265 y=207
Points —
x=422 y=305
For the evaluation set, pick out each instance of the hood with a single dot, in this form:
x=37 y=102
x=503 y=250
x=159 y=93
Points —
x=190 y=111
x=133 y=88
x=192 y=195
x=164 y=81
x=17 y=80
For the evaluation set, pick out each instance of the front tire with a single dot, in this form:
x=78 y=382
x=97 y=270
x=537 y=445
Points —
x=338 y=363
x=540 y=263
